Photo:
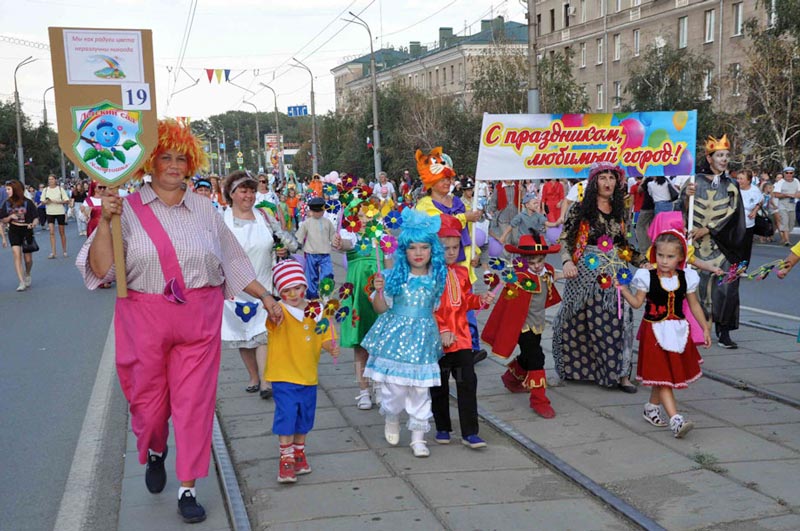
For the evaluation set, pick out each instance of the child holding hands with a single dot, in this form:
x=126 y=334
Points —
x=667 y=359
x=404 y=345
x=451 y=316
x=292 y=361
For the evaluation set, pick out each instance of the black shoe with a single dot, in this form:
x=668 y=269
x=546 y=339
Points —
x=191 y=511
x=155 y=477
x=266 y=394
x=725 y=341
x=478 y=356
x=627 y=388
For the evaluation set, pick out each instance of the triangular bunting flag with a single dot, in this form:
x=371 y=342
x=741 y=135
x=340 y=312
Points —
x=218 y=73
x=227 y=74
x=210 y=74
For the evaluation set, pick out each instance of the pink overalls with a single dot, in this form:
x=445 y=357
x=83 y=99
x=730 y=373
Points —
x=168 y=355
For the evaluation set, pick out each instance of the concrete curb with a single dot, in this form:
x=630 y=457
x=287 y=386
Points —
x=227 y=476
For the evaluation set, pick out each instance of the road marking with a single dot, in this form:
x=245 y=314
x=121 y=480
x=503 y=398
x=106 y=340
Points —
x=75 y=503
x=772 y=314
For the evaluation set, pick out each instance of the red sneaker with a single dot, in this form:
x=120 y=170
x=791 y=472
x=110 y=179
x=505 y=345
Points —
x=286 y=470
x=301 y=465
x=512 y=383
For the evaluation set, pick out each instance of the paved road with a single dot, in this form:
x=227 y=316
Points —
x=53 y=336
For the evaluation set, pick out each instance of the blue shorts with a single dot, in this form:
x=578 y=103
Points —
x=295 y=406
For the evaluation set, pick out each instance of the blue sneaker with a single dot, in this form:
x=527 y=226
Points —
x=443 y=437
x=473 y=441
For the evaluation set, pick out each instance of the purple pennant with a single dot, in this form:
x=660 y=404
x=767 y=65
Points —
x=173 y=292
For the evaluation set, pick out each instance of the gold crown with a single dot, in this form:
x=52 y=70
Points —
x=712 y=144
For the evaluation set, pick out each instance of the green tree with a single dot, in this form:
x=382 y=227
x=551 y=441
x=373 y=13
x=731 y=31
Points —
x=499 y=84
x=40 y=144
x=786 y=15
x=558 y=91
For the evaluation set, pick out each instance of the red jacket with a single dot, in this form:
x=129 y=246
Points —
x=457 y=299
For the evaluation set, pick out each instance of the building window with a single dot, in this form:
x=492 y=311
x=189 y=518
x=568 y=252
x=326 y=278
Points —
x=617 y=94
x=773 y=14
x=600 y=97
x=738 y=19
x=552 y=20
x=601 y=8
x=599 y=51
x=583 y=11
x=452 y=77
x=707 y=84
x=636 y=3
x=430 y=79
x=636 y=43
x=566 y=15
x=736 y=78
x=583 y=55
x=683 y=32
x=444 y=76
x=617 y=46
x=617 y=6
x=709 y=26
x=460 y=73
x=539 y=25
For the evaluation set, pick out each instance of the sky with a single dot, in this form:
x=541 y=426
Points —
x=255 y=39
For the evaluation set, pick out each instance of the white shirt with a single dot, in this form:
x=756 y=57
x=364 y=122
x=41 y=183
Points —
x=751 y=198
x=659 y=192
x=384 y=191
x=785 y=187
x=572 y=194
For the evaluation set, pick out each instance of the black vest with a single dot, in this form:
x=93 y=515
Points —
x=661 y=303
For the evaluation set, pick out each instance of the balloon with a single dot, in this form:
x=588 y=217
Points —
x=495 y=248
x=679 y=119
x=551 y=234
x=684 y=167
x=572 y=120
x=599 y=120
x=300 y=258
x=657 y=137
x=634 y=133
x=480 y=237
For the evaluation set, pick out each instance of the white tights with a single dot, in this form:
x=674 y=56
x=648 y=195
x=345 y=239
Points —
x=416 y=401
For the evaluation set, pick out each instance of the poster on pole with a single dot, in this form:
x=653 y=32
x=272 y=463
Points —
x=104 y=83
x=557 y=146
x=272 y=146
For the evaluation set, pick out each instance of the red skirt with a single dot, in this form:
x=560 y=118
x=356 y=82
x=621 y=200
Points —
x=658 y=367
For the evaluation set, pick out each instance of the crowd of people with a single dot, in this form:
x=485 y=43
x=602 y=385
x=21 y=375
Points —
x=244 y=263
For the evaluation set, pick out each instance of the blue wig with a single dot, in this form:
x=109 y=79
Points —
x=417 y=227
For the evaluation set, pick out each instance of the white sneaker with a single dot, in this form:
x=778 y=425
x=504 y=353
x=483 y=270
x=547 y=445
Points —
x=27 y=281
x=679 y=426
x=21 y=286
x=391 y=431
x=363 y=400
x=418 y=445
x=652 y=414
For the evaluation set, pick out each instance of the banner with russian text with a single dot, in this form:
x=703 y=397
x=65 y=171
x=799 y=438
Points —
x=556 y=146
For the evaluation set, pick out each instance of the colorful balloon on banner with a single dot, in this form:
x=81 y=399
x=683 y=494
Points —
x=684 y=167
x=572 y=120
x=598 y=120
x=634 y=133
x=679 y=120
x=657 y=137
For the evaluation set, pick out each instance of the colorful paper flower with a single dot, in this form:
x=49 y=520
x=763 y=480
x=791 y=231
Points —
x=592 y=261
x=346 y=290
x=332 y=206
x=322 y=326
x=496 y=263
x=329 y=189
x=624 y=276
x=371 y=211
x=349 y=181
x=373 y=229
x=490 y=279
x=605 y=280
x=352 y=223
x=530 y=284
x=345 y=198
x=364 y=246
x=519 y=264
x=246 y=310
x=361 y=193
x=341 y=314
x=509 y=277
x=510 y=292
x=330 y=308
x=388 y=243
x=326 y=286
x=393 y=220
x=313 y=309
x=625 y=254
x=605 y=243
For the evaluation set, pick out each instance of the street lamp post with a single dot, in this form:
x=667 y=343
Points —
x=533 y=60
x=20 y=151
x=376 y=134
x=258 y=135
x=313 y=119
x=277 y=132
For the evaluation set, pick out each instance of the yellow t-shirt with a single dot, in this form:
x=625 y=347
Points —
x=55 y=194
x=293 y=349
x=796 y=249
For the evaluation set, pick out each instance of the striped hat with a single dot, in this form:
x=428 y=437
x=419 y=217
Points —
x=288 y=274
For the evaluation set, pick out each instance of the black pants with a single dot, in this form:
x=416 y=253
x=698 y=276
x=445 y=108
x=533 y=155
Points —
x=460 y=364
x=531 y=356
x=747 y=246
x=42 y=213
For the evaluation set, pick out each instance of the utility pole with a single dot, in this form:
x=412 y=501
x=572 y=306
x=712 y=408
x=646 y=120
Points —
x=533 y=60
x=314 y=165
x=376 y=133
x=20 y=150
x=258 y=136
x=277 y=132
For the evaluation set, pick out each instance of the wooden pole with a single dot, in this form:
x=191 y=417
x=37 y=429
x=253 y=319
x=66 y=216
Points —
x=119 y=255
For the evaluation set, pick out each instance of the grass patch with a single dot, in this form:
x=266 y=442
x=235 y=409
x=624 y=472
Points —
x=708 y=461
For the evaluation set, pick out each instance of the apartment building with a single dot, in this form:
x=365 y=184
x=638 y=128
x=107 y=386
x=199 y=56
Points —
x=606 y=34
x=443 y=67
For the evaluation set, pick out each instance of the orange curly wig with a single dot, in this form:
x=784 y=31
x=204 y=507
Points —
x=172 y=135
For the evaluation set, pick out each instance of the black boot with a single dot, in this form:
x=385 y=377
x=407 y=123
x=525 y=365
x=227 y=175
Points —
x=725 y=340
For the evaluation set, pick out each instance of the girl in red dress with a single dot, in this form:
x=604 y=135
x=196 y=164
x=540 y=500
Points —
x=667 y=359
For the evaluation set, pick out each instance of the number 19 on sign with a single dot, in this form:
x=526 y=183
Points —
x=136 y=96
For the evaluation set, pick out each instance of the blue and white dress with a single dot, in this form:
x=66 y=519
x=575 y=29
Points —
x=404 y=344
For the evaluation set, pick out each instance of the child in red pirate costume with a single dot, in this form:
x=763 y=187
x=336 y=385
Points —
x=451 y=317
x=525 y=312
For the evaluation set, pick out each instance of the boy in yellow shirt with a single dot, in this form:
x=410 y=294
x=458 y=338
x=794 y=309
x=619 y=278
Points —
x=293 y=355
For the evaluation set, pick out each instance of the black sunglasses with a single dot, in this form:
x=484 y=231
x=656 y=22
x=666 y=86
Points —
x=101 y=187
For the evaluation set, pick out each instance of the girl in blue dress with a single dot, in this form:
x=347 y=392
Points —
x=404 y=344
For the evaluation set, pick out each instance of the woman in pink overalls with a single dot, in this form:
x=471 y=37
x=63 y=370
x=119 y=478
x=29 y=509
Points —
x=182 y=261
